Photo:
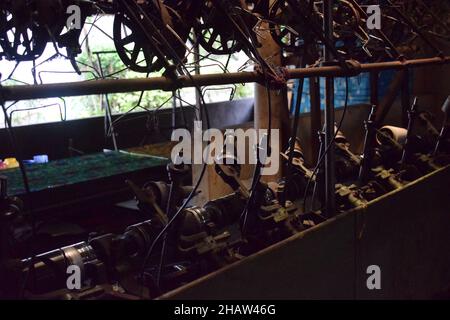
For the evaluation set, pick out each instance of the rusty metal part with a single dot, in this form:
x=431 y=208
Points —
x=298 y=160
x=388 y=178
x=349 y=196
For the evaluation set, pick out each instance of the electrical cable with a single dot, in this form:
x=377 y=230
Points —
x=203 y=105
x=322 y=157
x=63 y=117
x=293 y=138
x=121 y=119
x=257 y=174
x=256 y=178
x=203 y=171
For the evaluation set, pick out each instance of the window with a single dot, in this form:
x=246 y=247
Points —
x=99 y=53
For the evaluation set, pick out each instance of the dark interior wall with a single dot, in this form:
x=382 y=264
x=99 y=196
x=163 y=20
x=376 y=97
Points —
x=432 y=83
x=88 y=135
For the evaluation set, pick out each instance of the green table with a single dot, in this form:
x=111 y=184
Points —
x=74 y=179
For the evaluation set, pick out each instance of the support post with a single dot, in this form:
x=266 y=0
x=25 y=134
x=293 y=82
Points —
x=279 y=111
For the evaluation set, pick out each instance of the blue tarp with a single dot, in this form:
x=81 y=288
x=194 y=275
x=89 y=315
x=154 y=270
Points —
x=359 y=90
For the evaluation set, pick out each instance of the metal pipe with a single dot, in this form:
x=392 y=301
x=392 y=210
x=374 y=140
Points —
x=56 y=90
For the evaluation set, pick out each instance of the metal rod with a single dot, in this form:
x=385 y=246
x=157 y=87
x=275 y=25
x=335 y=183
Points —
x=197 y=71
x=174 y=109
x=30 y=92
x=330 y=203
x=316 y=116
x=366 y=164
x=412 y=114
x=109 y=125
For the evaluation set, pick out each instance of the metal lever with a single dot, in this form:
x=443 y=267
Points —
x=412 y=117
x=149 y=198
x=298 y=160
x=231 y=172
x=368 y=146
x=444 y=131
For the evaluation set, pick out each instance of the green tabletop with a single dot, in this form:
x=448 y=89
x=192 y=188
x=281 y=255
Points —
x=78 y=169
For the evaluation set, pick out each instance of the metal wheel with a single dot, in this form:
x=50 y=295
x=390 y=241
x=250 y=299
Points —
x=132 y=47
x=347 y=23
x=346 y=18
x=20 y=37
x=215 y=32
x=285 y=26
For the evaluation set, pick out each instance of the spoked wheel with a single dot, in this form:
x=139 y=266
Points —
x=182 y=29
x=434 y=19
x=398 y=32
x=347 y=22
x=20 y=38
x=216 y=33
x=285 y=26
x=132 y=47
x=347 y=19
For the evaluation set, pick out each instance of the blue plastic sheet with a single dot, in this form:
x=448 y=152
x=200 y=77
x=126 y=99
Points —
x=359 y=90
